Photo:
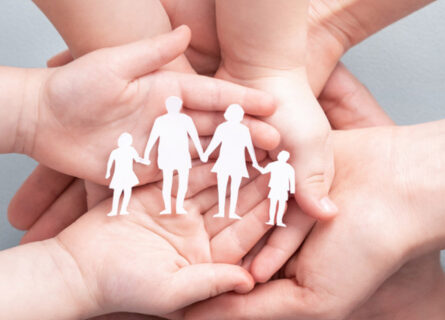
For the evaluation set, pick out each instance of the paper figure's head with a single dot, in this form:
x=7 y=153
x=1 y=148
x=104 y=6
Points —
x=173 y=104
x=283 y=156
x=234 y=113
x=125 y=140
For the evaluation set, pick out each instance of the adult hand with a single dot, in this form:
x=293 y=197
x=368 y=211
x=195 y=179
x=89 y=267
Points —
x=103 y=262
x=342 y=262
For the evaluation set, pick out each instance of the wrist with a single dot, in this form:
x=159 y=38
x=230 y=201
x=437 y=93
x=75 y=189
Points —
x=43 y=277
x=31 y=106
x=421 y=163
x=79 y=299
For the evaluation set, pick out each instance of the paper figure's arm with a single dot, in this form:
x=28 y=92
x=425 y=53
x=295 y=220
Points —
x=136 y=157
x=214 y=143
x=154 y=136
x=109 y=165
x=193 y=133
x=291 y=180
x=250 y=149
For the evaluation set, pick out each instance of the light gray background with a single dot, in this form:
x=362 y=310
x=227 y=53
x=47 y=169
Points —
x=403 y=66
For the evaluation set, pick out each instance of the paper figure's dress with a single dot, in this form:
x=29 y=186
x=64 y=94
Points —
x=234 y=138
x=173 y=151
x=124 y=176
x=279 y=180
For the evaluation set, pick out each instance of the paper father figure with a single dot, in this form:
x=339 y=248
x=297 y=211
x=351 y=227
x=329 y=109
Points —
x=173 y=130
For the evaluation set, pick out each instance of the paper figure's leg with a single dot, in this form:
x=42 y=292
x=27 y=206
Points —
x=167 y=190
x=272 y=208
x=116 y=196
x=280 y=214
x=234 y=188
x=126 y=201
x=222 y=188
x=183 y=176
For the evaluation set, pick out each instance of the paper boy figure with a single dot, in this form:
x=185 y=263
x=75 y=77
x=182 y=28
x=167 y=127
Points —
x=124 y=178
x=172 y=130
x=282 y=180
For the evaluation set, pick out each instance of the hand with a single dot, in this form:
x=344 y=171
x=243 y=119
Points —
x=306 y=132
x=380 y=236
x=173 y=251
x=53 y=143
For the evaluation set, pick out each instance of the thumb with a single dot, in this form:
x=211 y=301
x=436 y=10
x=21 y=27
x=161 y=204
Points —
x=314 y=173
x=134 y=60
x=96 y=193
x=278 y=299
x=209 y=280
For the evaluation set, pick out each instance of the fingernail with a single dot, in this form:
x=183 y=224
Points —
x=243 y=288
x=328 y=206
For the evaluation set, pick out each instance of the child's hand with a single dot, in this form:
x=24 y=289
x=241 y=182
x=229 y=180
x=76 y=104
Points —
x=145 y=262
x=87 y=104
x=264 y=47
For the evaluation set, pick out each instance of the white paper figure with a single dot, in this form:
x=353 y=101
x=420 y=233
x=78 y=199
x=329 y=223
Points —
x=124 y=178
x=172 y=130
x=282 y=180
x=234 y=138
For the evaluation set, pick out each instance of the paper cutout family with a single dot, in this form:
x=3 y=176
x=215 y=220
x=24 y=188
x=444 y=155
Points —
x=173 y=130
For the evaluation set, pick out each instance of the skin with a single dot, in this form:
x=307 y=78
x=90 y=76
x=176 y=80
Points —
x=59 y=116
x=95 y=260
x=126 y=84
x=334 y=27
x=408 y=241
x=398 y=227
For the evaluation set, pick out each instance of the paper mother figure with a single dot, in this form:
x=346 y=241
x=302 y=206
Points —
x=234 y=138
x=282 y=180
x=172 y=130
x=124 y=178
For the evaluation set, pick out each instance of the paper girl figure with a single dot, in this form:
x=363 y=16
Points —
x=124 y=179
x=234 y=138
x=282 y=180
x=172 y=130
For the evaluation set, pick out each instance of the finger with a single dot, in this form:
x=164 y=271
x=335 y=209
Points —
x=349 y=104
x=250 y=256
x=264 y=136
x=137 y=59
x=36 y=195
x=234 y=242
x=209 y=280
x=314 y=171
x=60 y=59
x=282 y=244
x=278 y=299
x=210 y=94
x=96 y=193
x=69 y=206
